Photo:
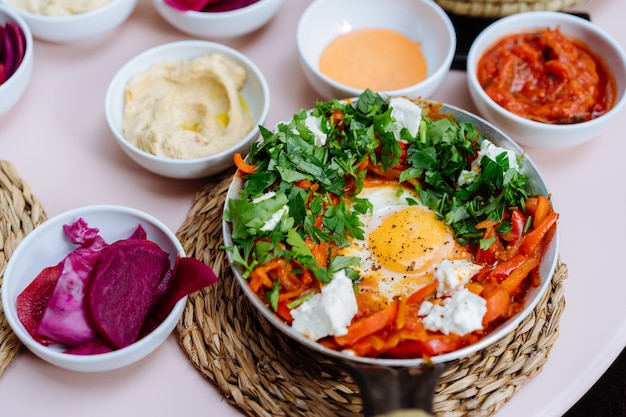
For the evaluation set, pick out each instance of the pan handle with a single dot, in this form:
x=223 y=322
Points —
x=396 y=391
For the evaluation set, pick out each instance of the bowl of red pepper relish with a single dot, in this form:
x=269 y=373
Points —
x=548 y=79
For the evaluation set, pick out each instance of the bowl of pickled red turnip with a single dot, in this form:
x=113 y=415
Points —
x=98 y=287
x=16 y=58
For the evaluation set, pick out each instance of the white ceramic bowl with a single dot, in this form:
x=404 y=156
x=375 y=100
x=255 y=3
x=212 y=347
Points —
x=14 y=87
x=46 y=245
x=423 y=21
x=532 y=133
x=255 y=92
x=228 y=24
x=78 y=27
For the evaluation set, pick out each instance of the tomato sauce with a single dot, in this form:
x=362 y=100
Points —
x=547 y=77
x=378 y=59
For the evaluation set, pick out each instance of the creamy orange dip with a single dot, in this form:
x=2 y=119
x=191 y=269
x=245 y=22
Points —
x=378 y=59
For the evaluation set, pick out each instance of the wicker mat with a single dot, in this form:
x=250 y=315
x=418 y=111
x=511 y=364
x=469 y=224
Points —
x=20 y=213
x=265 y=373
x=499 y=8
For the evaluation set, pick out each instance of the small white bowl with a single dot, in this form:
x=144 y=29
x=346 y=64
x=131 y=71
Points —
x=532 y=133
x=423 y=21
x=14 y=87
x=228 y=24
x=47 y=245
x=255 y=92
x=77 y=27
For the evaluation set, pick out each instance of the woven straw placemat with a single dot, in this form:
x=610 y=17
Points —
x=499 y=8
x=265 y=373
x=20 y=213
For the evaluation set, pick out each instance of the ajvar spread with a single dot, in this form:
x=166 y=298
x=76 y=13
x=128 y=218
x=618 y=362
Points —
x=547 y=77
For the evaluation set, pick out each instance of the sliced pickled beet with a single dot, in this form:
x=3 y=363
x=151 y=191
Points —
x=122 y=288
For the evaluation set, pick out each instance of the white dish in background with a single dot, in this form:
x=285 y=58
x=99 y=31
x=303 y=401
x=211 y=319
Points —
x=78 y=27
x=255 y=92
x=532 y=133
x=228 y=24
x=422 y=21
x=47 y=245
x=12 y=90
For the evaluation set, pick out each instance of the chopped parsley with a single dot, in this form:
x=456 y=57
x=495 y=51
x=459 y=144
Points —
x=320 y=183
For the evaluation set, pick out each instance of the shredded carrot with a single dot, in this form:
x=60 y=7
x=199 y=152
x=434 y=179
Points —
x=504 y=269
x=242 y=165
x=401 y=317
x=420 y=295
x=542 y=210
x=514 y=281
x=369 y=325
x=532 y=239
x=498 y=302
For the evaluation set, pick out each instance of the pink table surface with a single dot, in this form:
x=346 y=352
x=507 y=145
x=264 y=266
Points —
x=58 y=140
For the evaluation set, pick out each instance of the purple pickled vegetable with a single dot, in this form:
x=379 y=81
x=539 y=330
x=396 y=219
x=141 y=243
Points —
x=103 y=297
x=139 y=234
x=184 y=5
x=189 y=275
x=227 y=5
x=8 y=54
x=122 y=289
x=18 y=43
x=64 y=318
x=92 y=347
x=31 y=303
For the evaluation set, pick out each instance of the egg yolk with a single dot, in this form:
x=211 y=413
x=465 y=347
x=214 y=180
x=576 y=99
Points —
x=407 y=239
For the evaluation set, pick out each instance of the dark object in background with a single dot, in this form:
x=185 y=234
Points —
x=607 y=397
x=467 y=28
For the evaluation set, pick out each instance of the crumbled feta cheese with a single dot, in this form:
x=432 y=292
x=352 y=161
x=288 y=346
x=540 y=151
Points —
x=272 y=222
x=406 y=114
x=328 y=312
x=491 y=151
x=264 y=197
x=313 y=124
x=460 y=314
x=453 y=275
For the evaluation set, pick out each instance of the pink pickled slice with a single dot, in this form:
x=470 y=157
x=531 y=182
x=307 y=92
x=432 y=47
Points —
x=15 y=37
x=189 y=275
x=32 y=301
x=195 y=5
x=91 y=347
x=122 y=289
x=64 y=318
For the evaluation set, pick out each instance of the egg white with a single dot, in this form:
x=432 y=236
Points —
x=403 y=245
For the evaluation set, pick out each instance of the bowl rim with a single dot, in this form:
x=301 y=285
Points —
x=352 y=91
x=93 y=360
x=474 y=55
x=212 y=47
x=194 y=14
x=40 y=18
x=27 y=60
x=551 y=257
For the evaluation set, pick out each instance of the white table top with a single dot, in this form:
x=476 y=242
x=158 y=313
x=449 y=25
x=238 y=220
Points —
x=59 y=142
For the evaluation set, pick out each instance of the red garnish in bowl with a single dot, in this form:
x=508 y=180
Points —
x=209 y=5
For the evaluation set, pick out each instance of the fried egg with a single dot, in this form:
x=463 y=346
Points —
x=403 y=245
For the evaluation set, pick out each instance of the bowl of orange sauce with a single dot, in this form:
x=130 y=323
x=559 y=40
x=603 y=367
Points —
x=548 y=79
x=396 y=47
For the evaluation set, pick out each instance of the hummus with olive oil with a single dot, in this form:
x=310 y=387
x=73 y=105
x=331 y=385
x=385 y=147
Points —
x=187 y=109
x=58 y=7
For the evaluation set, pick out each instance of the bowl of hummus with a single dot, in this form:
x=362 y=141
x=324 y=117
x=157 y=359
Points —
x=70 y=21
x=184 y=109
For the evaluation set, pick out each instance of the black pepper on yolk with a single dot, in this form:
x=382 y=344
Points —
x=403 y=245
